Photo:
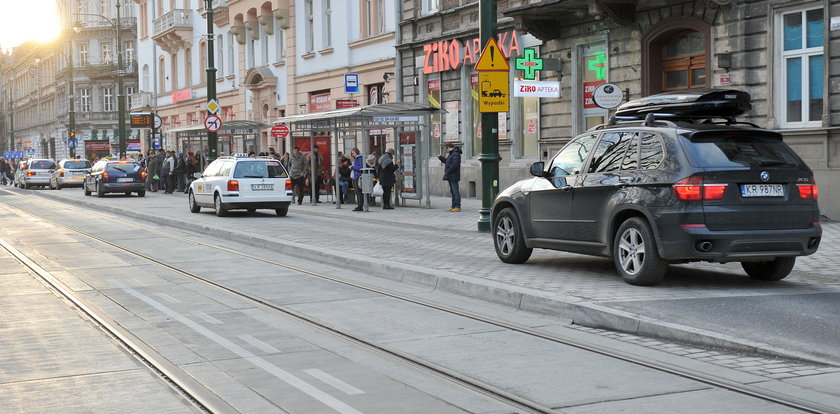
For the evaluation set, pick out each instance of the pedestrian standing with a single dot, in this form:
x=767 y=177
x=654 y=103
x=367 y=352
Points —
x=168 y=172
x=316 y=173
x=297 y=172
x=180 y=172
x=153 y=171
x=344 y=171
x=356 y=176
x=190 y=168
x=387 y=166
x=452 y=174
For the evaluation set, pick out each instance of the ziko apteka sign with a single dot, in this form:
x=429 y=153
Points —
x=536 y=89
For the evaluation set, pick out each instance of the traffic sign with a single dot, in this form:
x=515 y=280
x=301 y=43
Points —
x=30 y=152
x=494 y=92
x=351 y=83
x=492 y=58
x=213 y=123
x=213 y=106
x=280 y=131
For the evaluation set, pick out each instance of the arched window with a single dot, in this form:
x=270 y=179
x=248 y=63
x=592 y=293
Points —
x=220 y=60
x=675 y=56
x=146 y=79
x=202 y=62
x=161 y=75
x=188 y=69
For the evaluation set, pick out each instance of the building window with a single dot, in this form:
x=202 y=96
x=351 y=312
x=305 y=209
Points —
x=84 y=60
x=373 y=17
x=802 y=68
x=106 y=53
x=309 y=26
x=528 y=122
x=280 y=40
x=327 y=24
x=231 y=61
x=220 y=64
x=129 y=51
x=174 y=72
x=85 y=95
x=202 y=63
x=264 y=45
x=251 y=49
x=161 y=76
x=144 y=24
x=107 y=100
x=188 y=67
x=674 y=55
x=129 y=98
x=431 y=6
x=146 y=85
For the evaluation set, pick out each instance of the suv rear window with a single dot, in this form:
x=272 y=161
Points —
x=721 y=150
x=259 y=169
x=76 y=164
x=41 y=165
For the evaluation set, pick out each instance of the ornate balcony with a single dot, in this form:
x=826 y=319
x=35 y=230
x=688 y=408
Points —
x=173 y=30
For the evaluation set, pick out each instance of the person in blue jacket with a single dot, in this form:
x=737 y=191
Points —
x=452 y=174
x=356 y=176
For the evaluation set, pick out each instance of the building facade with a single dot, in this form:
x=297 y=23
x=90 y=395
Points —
x=778 y=51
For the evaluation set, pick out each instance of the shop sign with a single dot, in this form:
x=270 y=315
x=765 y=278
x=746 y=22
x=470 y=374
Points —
x=132 y=145
x=346 y=103
x=97 y=146
x=319 y=102
x=588 y=90
x=182 y=95
x=607 y=95
x=446 y=55
x=533 y=89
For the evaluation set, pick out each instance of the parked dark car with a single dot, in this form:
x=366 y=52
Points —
x=674 y=187
x=110 y=176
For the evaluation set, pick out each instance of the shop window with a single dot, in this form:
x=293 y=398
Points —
x=675 y=56
x=527 y=135
x=801 y=50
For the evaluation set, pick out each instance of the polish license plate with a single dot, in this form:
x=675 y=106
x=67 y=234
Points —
x=762 y=190
x=262 y=187
x=125 y=180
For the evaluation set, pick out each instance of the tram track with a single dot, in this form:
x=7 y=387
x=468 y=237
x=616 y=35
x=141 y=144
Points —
x=488 y=390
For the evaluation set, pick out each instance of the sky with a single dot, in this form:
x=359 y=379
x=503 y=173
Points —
x=22 y=20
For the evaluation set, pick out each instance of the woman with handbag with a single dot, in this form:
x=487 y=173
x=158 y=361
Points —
x=387 y=166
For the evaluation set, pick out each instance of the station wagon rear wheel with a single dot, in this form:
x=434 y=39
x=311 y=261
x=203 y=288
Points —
x=772 y=270
x=282 y=211
x=194 y=208
x=221 y=211
x=635 y=255
x=508 y=238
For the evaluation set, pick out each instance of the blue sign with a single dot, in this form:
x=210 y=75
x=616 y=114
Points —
x=12 y=154
x=71 y=143
x=351 y=83
x=30 y=152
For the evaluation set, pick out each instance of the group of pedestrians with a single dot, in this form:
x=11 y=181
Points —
x=7 y=171
x=170 y=171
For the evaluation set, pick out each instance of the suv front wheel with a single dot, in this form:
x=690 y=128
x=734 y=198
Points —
x=776 y=269
x=508 y=238
x=635 y=254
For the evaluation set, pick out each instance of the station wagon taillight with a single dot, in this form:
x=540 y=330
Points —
x=143 y=175
x=288 y=185
x=693 y=189
x=105 y=176
x=233 y=185
x=61 y=173
x=31 y=173
x=808 y=191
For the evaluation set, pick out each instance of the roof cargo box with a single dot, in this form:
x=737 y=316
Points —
x=699 y=103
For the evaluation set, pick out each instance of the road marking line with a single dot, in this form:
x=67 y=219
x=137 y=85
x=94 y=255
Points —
x=259 y=344
x=140 y=282
x=207 y=318
x=167 y=298
x=333 y=382
x=278 y=372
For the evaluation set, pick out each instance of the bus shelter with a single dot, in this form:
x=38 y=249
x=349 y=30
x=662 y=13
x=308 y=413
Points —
x=234 y=137
x=355 y=127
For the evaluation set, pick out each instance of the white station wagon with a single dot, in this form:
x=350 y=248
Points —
x=241 y=183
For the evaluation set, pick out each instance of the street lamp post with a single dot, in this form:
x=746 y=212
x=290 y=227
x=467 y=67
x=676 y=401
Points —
x=71 y=133
x=212 y=137
x=120 y=74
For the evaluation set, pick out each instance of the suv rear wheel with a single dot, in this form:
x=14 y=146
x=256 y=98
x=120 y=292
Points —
x=776 y=269
x=507 y=238
x=635 y=254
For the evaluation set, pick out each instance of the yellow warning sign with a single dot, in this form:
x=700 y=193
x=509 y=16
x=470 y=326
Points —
x=493 y=92
x=492 y=58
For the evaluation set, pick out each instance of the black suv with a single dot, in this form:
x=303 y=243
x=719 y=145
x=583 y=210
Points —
x=672 y=178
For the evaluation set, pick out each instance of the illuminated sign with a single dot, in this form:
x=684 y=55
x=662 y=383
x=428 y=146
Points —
x=451 y=54
x=182 y=95
x=140 y=120
x=529 y=64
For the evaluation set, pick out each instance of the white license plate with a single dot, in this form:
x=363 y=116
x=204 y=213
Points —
x=125 y=180
x=762 y=190
x=262 y=187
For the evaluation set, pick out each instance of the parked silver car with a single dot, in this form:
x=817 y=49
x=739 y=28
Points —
x=35 y=172
x=70 y=173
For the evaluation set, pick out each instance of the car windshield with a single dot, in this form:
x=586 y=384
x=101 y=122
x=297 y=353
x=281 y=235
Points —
x=259 y=169
x=41 y=165
x=125 y=167
x=77 y=164
x=740 y=151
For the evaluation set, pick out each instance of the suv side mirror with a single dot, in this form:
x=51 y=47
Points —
x=537 y=169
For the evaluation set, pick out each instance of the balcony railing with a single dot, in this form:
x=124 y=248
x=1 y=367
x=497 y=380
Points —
x=175 y=19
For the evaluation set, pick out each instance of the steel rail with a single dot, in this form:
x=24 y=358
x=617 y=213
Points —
x=615 y=353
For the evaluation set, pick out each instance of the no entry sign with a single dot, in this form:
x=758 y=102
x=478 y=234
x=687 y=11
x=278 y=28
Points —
x=280 y=131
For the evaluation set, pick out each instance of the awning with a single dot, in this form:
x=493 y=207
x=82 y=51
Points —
x=385 y=115
x=235 y=127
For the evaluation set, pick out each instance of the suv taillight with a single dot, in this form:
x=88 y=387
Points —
x=693 y=188
x=233 y=185
x=808 y=191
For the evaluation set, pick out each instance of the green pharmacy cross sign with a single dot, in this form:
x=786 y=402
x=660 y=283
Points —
x=599 y=66
x=529 y=64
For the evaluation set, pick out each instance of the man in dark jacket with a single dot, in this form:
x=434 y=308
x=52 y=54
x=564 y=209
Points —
x=452 y=174
x=387 y=178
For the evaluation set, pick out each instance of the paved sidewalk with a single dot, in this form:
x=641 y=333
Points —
x=443 y=250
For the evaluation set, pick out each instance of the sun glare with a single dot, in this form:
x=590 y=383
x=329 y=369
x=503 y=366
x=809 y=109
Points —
x=35 y=20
